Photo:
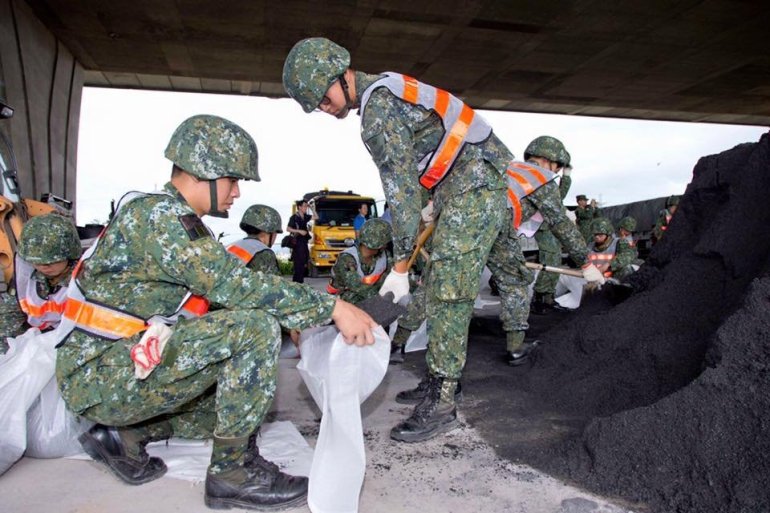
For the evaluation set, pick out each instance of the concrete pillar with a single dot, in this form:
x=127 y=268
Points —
x=43 y=83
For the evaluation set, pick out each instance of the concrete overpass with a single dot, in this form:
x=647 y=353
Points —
x=686 y=60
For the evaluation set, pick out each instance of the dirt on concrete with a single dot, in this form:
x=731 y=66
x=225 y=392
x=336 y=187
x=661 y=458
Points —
x=664 y=399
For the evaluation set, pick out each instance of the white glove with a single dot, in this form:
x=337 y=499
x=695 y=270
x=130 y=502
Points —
x=397 y=283
x=427 y=213
x=566 y=171
x=592 y=274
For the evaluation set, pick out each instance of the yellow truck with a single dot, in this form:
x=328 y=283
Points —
x=333 y=231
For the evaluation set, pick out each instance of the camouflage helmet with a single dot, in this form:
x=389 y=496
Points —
x=263 y=218
x=628 y=223
x=311 y=68
x=602 y=225
x=49 y=238
x=672 y=201
x=550 y=148
x=375 y=234
x=211 y=147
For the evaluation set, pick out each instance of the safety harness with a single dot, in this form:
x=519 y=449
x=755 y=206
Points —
x=41 y=312
x=380 y=266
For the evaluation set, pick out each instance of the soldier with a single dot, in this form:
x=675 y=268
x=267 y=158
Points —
x=613 y=256
x=423 y=137
x=156 y=265
x=548 y=246
x=261 y=224
x=585 y=213
x=360 y=270
x=664 y=218
x=48 y=249
x=626 y=228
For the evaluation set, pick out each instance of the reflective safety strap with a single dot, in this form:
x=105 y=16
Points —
x=330 y=289
x=101 y=320
x=241 y=253
x=371 y=279
x=39 y=311
x=197 y=305
x=453 y=142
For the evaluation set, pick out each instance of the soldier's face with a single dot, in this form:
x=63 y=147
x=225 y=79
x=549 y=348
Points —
x=52 y=270
x=600 y=238
x=227 y=191
x=333 y=102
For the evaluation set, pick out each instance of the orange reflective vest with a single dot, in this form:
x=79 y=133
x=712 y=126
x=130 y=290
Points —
x=524 y=178
x=41 y=312
x=245 y=249
x=462 y=125
x=380 y=266
x=602 y=259
x=112 y=323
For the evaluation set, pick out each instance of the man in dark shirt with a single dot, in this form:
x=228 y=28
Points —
x=298 y=226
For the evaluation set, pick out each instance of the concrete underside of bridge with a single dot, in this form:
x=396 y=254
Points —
x=685 y=60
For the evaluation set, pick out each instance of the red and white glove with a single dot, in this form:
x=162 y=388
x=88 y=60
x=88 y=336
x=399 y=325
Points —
x=397 y=283
x=566 y=171
x=592 y=274
x=148 y=352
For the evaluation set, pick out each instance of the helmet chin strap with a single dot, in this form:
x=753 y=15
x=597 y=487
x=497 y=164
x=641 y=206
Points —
x=346 y=92
x=213 y=212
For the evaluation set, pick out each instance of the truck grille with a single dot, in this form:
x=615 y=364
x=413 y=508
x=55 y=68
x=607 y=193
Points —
x=339 y=243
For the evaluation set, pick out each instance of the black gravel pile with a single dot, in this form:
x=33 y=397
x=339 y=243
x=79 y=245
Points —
x=673 y=385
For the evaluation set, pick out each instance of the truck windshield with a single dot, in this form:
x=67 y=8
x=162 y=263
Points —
x=340 y=212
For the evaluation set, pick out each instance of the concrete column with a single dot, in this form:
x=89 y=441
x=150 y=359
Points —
x=43 y=83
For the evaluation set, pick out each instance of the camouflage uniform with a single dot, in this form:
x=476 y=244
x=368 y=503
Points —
x=549 y=248
x=584 y=217
x=664 y=218
x=625 y=256
x=45 y=239
x=218 y=371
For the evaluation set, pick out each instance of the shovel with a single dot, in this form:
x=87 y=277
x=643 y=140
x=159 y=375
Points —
x=616 y=291
x=382 y=308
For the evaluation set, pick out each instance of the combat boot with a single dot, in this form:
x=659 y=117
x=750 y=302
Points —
x=518 y=349
x=122 y=451
x=542 y=304
x=435 y=414
x=417 y=394
x=398 y=345
x=246 y=480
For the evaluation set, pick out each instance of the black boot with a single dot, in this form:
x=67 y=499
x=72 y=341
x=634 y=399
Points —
x=521 y=355
x=128 y=460
x=258 y=485
x=540 y=305
x=436 y=414
x=417 y=394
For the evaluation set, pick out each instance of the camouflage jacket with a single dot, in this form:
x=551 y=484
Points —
x=565 y=182
x=662 y=224
x=625 y=255
x=153 y=252
x=546 y=199
x=399 y=135
x=586 y=215
x=347 y=280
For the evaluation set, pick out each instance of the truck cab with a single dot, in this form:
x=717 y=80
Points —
x=333 y=231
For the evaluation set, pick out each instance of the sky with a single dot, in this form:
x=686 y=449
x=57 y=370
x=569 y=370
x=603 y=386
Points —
x=123 y=135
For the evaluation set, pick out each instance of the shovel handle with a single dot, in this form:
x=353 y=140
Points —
x=421 y=239
x=558 y=270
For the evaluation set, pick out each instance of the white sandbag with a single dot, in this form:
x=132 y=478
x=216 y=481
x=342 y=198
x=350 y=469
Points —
x=569 y=291
x=340 y=377
x=25 y=369
x=418 y=340
x=53 y=430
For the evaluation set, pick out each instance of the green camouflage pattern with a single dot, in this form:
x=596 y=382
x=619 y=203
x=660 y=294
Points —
x=311 y=68
x=583 y=218
x=145 y=263
x=398 y=134
x=264 y=262
x=625 y=256
x=602 y=225
x=263 y=218
x=628 y=223
x=375 y=234
x=550 y=148
x=211 y=147
x=672 y=201
x=12 y=319
x=549 y=248
x=49 y=238
x=661 y=225
x=347 y=280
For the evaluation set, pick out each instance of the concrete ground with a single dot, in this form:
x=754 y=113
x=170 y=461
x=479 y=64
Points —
x=457 y=472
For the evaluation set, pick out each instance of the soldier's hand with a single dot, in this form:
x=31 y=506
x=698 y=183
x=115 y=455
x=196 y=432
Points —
x=593 y=203
x=354 y=324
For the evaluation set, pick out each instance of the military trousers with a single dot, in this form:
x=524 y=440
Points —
x=217 y=377
x=549 y=253
x=467 y=227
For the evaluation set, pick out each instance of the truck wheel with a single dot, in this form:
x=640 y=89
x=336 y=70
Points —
x=313 y=271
